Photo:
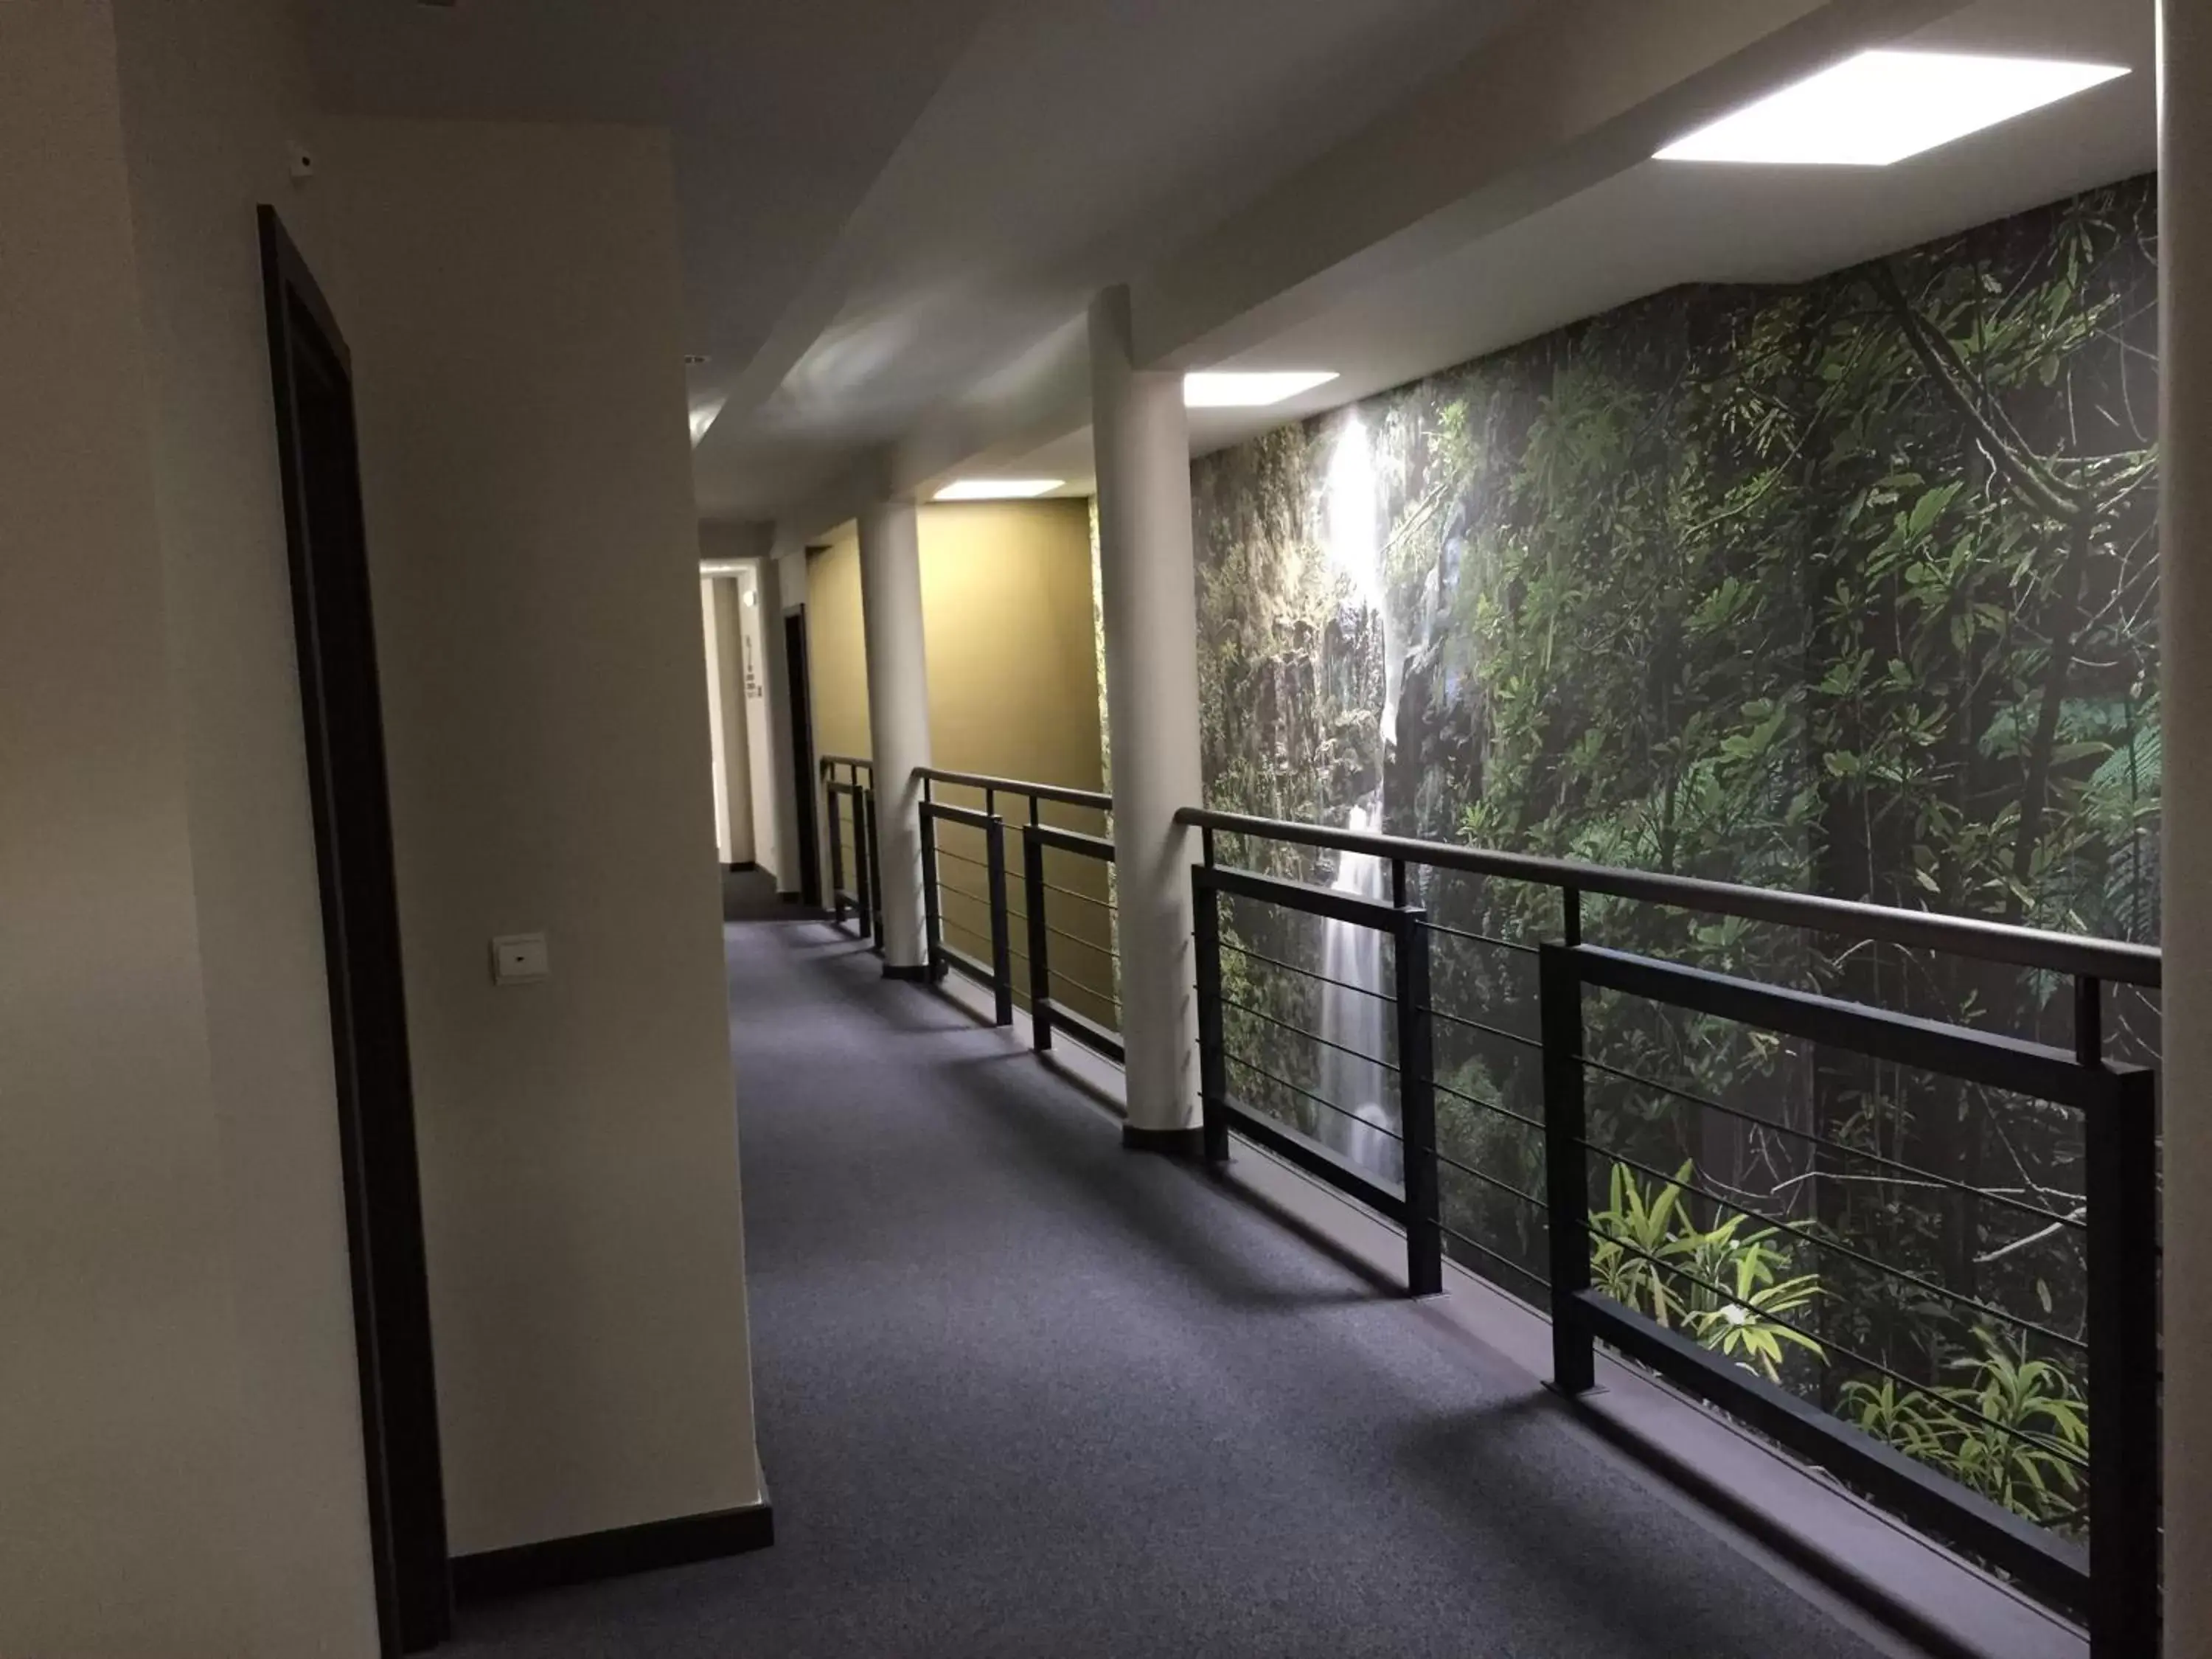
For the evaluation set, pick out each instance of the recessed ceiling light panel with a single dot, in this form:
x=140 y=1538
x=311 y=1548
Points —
x=997 y=489
x=1232 y=389
x=1881 y=106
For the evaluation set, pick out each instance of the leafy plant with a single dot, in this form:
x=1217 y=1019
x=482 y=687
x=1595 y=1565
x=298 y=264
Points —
x=1730 y=1289
x=2017 y=1431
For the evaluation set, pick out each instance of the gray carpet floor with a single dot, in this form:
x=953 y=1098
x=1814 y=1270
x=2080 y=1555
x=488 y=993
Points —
x=1021 y=1393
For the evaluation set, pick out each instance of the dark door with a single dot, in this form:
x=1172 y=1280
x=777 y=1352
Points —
x=343 y=719
x=802 y=755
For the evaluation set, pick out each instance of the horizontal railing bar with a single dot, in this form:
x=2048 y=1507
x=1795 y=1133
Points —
x=1292 y=967
x=967 y=964
x=861 y=761
x=1921 y=1495
x=1236 y=1059
x=1299 y=896
x=1481 y=939
x=1085 y=1030
x=1911 y=1170
x=1984 y=1057
x=1104 y=904
x=1522 y=1118
x=2057 y=1449
x=1485 y=1176
x=968 y=815
x=1816 y=1242
x=838 y=787
x=1071 y=841
x=1488 y=1031
x=1085 y=986
x=973 y=898
x=945 y=852
x=1501 y=1258
x=1011 y=948
x=1968 y=936
x=1320 y=1161
x=1065 y=796
x=1106 y=950
x=1312 y=1037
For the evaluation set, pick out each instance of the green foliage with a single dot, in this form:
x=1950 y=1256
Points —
x=1730 y=1289
x=2017 y=1431
x=1847 y=587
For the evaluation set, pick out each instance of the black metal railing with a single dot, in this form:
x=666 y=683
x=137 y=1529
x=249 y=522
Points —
x=1627 y=1274
x=851 y=836
x=1066 y=896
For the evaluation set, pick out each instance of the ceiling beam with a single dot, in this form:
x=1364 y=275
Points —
x=1042 y=395
x=1573 y=93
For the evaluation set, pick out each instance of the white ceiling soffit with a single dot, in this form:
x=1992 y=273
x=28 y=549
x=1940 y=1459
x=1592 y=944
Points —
x=1568 y=96
x=780 y=116
x=1659 y=224
x=1554 y=99
x=894 y=213
x=1074 y=143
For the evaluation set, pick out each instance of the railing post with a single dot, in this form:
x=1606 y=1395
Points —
x=1417 y=1100
x=872 y=899
x=933 y=923
x=1040 y=967
x=864 y=905
x=2120 y=1148
x=836 y=850
x=1213 y=1067
x=1574 y=1362
x=1002 y=963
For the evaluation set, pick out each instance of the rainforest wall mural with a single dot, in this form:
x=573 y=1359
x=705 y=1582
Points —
x=1847 y=587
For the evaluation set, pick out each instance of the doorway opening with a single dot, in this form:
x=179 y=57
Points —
x=802 y=756
x=342 y=713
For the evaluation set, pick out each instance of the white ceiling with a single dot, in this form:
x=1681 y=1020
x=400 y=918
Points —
x=895 y=211
x=1658 y=224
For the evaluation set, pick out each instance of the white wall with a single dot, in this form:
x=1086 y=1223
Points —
x=512 y=299
x=178 y=1430
x=734 y=740
x=216 y=92
x=710 y=629
x=752 y=694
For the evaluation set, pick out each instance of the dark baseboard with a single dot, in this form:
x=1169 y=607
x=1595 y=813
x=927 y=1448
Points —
x=1173 y=1143
x=674 y=1543
x=740 y=869
x=916 y=975
x=794 y=896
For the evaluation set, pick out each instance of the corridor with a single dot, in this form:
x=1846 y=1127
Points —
x=1021 y=1393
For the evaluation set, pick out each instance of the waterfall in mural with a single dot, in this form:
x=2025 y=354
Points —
x=1354 y=1017
x=1354 y=547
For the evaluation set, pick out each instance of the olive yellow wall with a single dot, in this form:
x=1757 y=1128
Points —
x=1013 y=669
x=1013 y=687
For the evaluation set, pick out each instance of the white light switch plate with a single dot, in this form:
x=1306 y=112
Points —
x=518 y=959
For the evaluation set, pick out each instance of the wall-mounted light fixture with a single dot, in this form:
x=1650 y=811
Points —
x=1881 y=106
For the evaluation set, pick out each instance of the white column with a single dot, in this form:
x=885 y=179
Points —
x=1149 y=596
x=898 y=718
x=782 y=773
x=2186 y=636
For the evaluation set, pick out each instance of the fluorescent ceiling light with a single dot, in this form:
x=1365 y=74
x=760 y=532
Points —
x=997 y=489
x=1234 y=390
x=1881 y=106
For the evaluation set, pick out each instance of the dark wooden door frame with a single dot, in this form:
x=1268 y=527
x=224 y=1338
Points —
x=334 y=635
x=798 y=667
